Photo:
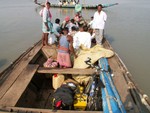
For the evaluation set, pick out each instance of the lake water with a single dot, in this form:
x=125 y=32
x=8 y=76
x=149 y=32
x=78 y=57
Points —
x=127 y=29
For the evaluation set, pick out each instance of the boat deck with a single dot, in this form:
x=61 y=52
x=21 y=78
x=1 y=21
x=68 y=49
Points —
x=15 y=79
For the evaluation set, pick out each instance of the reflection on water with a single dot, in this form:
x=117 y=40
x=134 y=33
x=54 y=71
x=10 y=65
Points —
x=3 y=62
x=127 y=29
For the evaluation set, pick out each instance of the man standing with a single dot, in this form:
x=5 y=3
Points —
x=100 y=18
x=47 y=25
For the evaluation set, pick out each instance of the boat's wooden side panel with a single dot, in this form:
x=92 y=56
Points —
x=14 y=93
x=32 y=110
x=122 y=86
x=66 y=71
x=120 y=82
x=73 y=6
x=13 y=75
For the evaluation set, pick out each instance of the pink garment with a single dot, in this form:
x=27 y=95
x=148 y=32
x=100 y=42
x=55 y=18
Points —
x=67 y=18
x=64 y=59
x=50 y=63
x=50 y=15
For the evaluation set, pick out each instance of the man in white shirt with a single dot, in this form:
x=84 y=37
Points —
x=47 y=25
x=99 y=20
x=82 y=38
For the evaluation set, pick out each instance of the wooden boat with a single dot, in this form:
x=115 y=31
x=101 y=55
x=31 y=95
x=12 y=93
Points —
x=73 y=5
x=83 y=6
x=25 y=87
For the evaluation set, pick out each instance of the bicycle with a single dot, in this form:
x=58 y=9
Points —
x=94 y=89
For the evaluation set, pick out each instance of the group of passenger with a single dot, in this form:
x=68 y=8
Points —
x=72 y=33
x=68 y=2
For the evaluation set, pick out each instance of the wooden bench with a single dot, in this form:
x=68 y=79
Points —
x=13 y=72
x=13 y=94
x=65 y=71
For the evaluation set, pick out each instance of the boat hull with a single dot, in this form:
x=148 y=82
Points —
x=35 y=83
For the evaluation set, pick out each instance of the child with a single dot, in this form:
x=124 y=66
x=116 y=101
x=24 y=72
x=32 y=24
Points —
x=64 y=49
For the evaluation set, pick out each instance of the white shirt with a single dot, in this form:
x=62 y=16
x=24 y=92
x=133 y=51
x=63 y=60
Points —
x=82 y=38
x=46 y=16
x=56 y=27
x=91 y=24
x=99 y=20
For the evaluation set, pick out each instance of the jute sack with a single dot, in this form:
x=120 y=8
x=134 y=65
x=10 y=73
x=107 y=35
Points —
x=95 y=54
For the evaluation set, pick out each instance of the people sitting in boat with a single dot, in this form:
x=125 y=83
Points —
x=90 y=30
x=65 y=48
x=73 y=31
x=79 y=19
x=90 y=24
x=56 y=27
x=53 y=36
x=71 y=24
x=65 y=2
x=78 y=9
x=65 y=22
x=77 y=16
x=72 y=2
x=82 y=37
x=60 y=3
x=76 y=2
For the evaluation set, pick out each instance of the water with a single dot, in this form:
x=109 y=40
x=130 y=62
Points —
x=127 y=29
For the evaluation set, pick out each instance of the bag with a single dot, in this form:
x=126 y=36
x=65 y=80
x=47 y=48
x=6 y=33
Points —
x=57 y=81
x=52 y=38
x=63 y=97
x=50 y=63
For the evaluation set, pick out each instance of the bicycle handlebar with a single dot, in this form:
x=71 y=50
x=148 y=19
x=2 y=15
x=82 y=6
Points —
x=88 y=62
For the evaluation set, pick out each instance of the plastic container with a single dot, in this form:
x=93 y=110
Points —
x=58 y=79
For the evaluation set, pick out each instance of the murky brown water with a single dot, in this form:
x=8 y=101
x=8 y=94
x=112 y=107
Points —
x=127 y=29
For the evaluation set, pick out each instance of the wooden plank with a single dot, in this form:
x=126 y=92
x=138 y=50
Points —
x=20 y=110
x=122 y=85
x=50 y=51
x=18 y=69
x=65 y=71
x=12 y=96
